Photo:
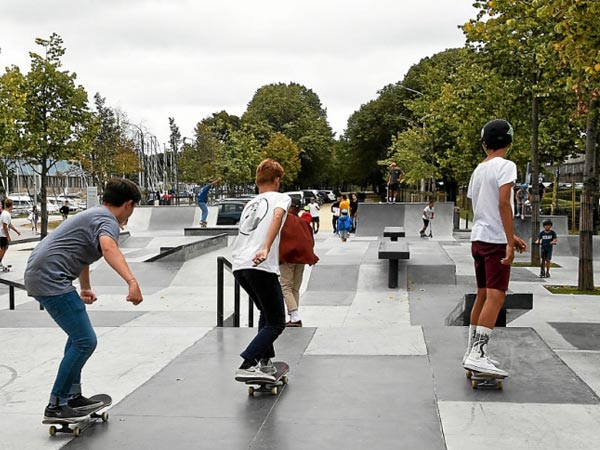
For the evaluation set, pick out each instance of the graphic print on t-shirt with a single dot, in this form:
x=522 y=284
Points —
x=253 y=215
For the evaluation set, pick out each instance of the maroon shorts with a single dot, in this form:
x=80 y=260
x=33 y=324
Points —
x=489 y=271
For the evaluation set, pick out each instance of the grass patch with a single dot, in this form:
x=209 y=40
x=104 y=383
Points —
x=572 y=290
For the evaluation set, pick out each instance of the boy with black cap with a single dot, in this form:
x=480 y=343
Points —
x=493 y=241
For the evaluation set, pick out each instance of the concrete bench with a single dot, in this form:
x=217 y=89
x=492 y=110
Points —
x=521 y=301
x=393 y=251
x=394 y=232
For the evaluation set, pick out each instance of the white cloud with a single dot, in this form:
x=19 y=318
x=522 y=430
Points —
x=188 y=59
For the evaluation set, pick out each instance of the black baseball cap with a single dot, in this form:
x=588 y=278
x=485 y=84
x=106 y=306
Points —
x=497 y=134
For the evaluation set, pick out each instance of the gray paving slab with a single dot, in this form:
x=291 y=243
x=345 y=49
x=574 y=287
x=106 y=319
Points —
x=325 y=408
x=537 y=374
x=334 y=278
x=583 y=336
x=40 y=319
x=321 y=298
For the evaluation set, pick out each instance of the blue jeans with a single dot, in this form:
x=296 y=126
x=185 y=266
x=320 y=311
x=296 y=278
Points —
x=68 y=311
x=204 y=210
x=265 y=291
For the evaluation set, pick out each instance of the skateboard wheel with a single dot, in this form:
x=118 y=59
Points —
x=474 y=384
x=76 y=431
x=500 y=385
x=251 y=390
x=52 y=430
x=284 y=379
x=469 y=374
x=274 y=390
x=104 y=416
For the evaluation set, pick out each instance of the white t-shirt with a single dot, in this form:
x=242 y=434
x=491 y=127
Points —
x=314 y=209
x=484 y=191
x=428 y=213
x=4 y=219
x=254 y=225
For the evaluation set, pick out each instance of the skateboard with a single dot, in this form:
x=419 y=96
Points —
x=485 y=380
x=81 y=423
x=273 y=387
x=7 y=268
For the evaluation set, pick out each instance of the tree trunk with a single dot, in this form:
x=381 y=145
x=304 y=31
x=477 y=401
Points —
x=590 y=183
x=535 y=171
x=44 y=196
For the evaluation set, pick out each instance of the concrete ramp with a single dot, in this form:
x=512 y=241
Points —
x=168 y=218
x=522 y=227
x=374 y=217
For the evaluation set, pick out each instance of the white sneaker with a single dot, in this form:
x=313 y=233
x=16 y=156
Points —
x=477 y=363
x=267 y=366
x=252 y=373
x=466 y=355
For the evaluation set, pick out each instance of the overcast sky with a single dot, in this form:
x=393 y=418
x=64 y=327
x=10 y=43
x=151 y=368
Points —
x=186 y=59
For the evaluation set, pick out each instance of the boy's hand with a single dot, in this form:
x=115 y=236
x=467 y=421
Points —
x=510 y=256
x=135 y=294
x=520 y=244
x=88 y=296
x=260 y=257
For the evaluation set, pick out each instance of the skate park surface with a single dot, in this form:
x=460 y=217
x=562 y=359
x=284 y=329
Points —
x=372 y=367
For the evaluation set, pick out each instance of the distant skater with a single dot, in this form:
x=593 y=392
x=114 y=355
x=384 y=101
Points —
x=315 y=215
x=344 y=225
x=61 y=257
x=393 y=184
x=428 y=214
x=5 y=227
x=202 y=200
x=493 y=241
x=548 y=239
x=64 y=210
x=256 y=268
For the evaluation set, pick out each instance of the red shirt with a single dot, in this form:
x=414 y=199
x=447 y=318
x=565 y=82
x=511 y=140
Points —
x=306 y=216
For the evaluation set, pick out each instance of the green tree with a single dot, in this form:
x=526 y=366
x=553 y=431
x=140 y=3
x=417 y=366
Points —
x=296 y=112
x=112 y=152
x=516 y=41
x=55 y=116
x=283 y=150
x=576 y=40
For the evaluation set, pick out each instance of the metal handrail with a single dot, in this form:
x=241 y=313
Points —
x=222 y=264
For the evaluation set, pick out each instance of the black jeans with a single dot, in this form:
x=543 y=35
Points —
x=265 y=291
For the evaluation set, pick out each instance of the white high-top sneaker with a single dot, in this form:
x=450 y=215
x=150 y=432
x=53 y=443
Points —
x=478 y=361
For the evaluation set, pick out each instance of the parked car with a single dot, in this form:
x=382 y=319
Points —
x=22 y=204
x=230 y=210
x=329 y=195
x=304 y=196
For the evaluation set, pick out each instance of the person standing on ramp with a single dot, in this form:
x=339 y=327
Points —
x=61 y=257
x=256 y=268
x=493 y=241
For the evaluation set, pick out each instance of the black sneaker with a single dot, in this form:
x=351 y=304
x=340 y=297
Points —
x=547 y=274
x=80 y=403
x=63 y=412
x=542 y=275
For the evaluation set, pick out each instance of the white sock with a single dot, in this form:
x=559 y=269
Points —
x=484 y=330
x=294 y=316
x=472 y=331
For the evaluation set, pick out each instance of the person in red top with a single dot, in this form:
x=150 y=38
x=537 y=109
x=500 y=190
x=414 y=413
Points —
x=306 y=216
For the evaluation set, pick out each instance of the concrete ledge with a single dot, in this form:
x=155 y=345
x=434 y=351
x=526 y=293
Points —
x=211 y=231
x=429 y=263
x=394 y=232
x=192 y=250
x=393 y=250
x=461 y=315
